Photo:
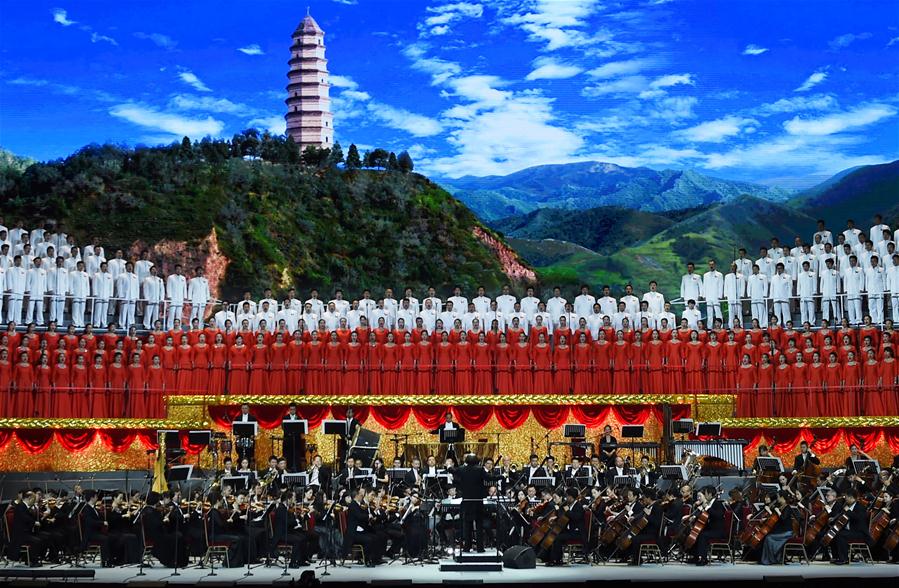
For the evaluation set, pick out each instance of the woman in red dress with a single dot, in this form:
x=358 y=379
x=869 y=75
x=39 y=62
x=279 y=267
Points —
x=522 y=372
x=765 y=396
x=424 y=365
x=389 y=365
x=675 y=366
x=155 y=391
x=278 y=354
x=538 y=329
x=833 y=385
x=602 y=363
x=811 y=394
x=746 y=383
x=218 y=360
x=258 y=384
x=406 y=378
x=238 y=367
x=655 y=363
x=6 y=380
x=783 y=396
x=714 y=352
x=295 y=360
x=463 y=382
x=620 y=354
x=872 y=388
x=483 y=367
x=81 y=400
x=43 y=377
x=315 y=358
x=502 y=354
x=846 y=347
x=583 y=365
x=169 y=355
x=200 y=360
x=138 y=405
x=373 y=365
x=118 y=377
x=562 y=330
x=639 y=373
x=562 y=365
x=332 y=376
x=353 y=358
x=151 y=348
x=889 y=370
x=542 y=360
x=694 y=359
x=847 y=400
x=581 y=330
x=184 y=363
x=800 y=395
x=23 y=387
x=445 y=355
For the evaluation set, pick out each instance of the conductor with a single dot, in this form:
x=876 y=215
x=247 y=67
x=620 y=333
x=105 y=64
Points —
x=470 y=479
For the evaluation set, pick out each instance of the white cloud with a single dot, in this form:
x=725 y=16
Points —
x=174 y=124
x=397 y=118
x=440 y=70
x=625 y=85
x=355 y=95
x=845 y=40
x=98 y=38
x=550 y=69
x=675 y=108
x=799 y=103
x=556 y=23
x=754 y=50
x=673 y=80
x=210 y=104
x=812 y=81
x=191 y=79
x=892 y=41
x=62 y=17
x=158 y=39
x=716 y=131
x=253 y=49
x=448 y=14
x=275 y=124
x=342 y=82
x=620 y=68
x=839 y=122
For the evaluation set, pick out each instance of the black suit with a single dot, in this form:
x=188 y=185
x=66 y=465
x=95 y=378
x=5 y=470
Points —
x=714 y=530
x=573 y=532
x=92 y=532
x=23 y=533
x=220 y=534
x=360 y=532
x=294 y=446
x=284 y=531
x=409 y=479
x=612 y=473
x=163 y=541
x=856 y=531
x=470 y=479
x=801 y=461
x=324 y=478
x=349 y=478
x=651 y=532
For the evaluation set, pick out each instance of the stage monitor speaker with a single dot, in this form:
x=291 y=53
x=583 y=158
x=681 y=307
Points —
x=519 y=557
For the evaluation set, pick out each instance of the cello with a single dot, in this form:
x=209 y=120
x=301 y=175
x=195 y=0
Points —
x=559 y=524
x=838 y=525
x=753 y=536
x=634 y=527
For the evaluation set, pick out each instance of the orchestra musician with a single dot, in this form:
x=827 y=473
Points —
x=652 y=510
x=359 y=530
x=219 y=532
x=319 y=475
x=25 y=530
x=714 y=529
x=535 y=469
x=854 y=531
x=413 y=478
x=804 y=459
x=608 y=446
x=567 y=502
x=94 y=528
x=646 y=475
x=617 y=469
x=287 y=530
x=350 y=475
x=777 y=537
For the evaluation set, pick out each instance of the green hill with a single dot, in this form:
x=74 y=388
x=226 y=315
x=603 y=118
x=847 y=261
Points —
x=578 y=186
x=858 y=195
x=275 y=221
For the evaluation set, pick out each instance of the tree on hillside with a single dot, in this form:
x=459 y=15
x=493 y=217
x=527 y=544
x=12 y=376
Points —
x=377 y=158
x=391 y=162
x=315 y=156
x=352 y=158
x=335 y=157
x=404 y=161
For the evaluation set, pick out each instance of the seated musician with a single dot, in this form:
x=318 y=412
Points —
x=714 y=529
x=763 y=452
x=349 y=476
x=94 y=528
x=125 y=546
x=161 y=536
x=271 y=472
x=651 y=509
x=855 y=454
x=576 y=471
x=448 y=523
x=413 y=477
x=777 y=537
x=25 y=530
x=855 y=531
x=359 y=531
x=567 y=503
x=831 y=508
x=218 y=532
x=551 y=472
x=534 y=468
x=618 y=469
x=319 y=475
x=804 y=459
x=286 y=529
x=598 y=469
x=646 y=474
x=228 y=469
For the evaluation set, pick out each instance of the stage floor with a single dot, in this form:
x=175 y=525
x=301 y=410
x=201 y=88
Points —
x=394 y=574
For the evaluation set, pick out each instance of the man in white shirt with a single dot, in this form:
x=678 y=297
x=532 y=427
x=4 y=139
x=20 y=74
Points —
x=153 y=291
x=529 y=306
x=142 y=266
x=469 y=316
x=690 y=284
x=744 y=264
x=224 y=315
x=127 y=288
x=713 y=292
x=448 y=315
x=765 y=263
x=428 y=315
x=542 y=319
x=883 y=246
x=505 y=302
x=607 y=304
x=80 y=290
x=332 y=317
x=288 y=314
x=481 y=302
x=595 y=321
x=776 y=251
x=35 y=289
x=807 y=288
x=826 y=236
x=583 y=303
x=245 y=313
x=892 y=281
x=58 y=288
x=16 y=277
x=343 y=306
x=116 y=265
x=176 y=293
x=877 y=229
x=390 y=306
x=830 y=291
x=517 y=313
x=631 y=302
x=666 y=314
x=875 y=286
x=267 y=314
x=758 y=288
x=318 y=307
x=645 y=313
x=460 y=303
x=620 y=315
x=408 y=313
x=198 y=294
x=102 y=288
x=494 y=314
x=367 y=305
x=692 y=314
x=851 y=233
x=781 y=291
x=734 y=292
x=654 y=298
x=854 y=285
x=555 y=306
x=409 y=295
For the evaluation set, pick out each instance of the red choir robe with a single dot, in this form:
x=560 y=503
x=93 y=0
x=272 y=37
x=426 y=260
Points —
x=583 y=369
x=483 y=369
x=522 y=372
x=562 y=365
x=503 y=361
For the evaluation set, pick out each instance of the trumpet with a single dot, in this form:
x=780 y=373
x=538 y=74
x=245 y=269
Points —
x=513 y=468
x=556 y=468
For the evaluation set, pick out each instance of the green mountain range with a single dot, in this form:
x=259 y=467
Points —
x=260 y=222
x=577 y=186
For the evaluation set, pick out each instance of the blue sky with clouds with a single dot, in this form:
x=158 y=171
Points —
x=783 y=93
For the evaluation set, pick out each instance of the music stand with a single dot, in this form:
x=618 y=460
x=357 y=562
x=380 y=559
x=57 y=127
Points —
x=199 y=437
x=682 y=426
x=542 y=481
x=339 y=428
x=631 y=431
x=451 y=436
x=674 y=472
x=292 y=431
x=577 y=431
x=236 y=482
x=860 y=465
x=245 y=429
x=300 y=479
x=708 y=429
x=397 y=475
x=179 y=473
x=770 y=464
x=624 y=481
